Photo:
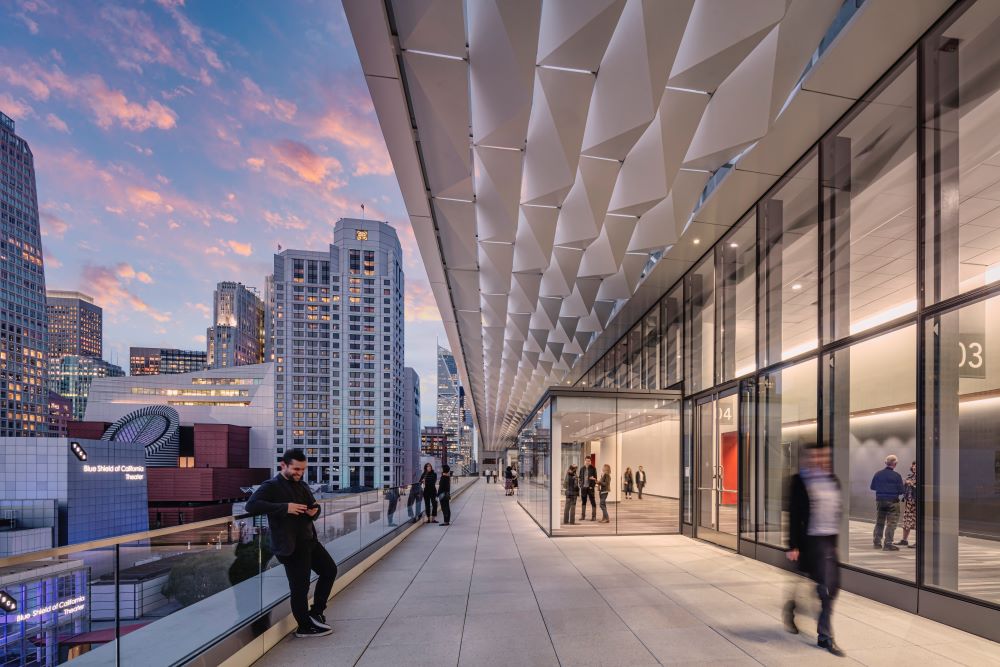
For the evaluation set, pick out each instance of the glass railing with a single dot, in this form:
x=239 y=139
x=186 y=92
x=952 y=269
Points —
x=164 y=596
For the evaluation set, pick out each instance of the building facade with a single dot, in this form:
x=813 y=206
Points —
x=237 y=336
x=165 y=361
x=71 y=376
x=338 y=346
x=437 y=443
x=23 y=318
x=411 y=426
x=449 y=401
x=240 y=396
x=75 y=325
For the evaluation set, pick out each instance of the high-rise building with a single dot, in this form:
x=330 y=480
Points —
x=164 y=361
x=71 y=374
x=269 y=318
x=435 y=442
x=75 y=324
x=411 y=425
x=60 y=414
x=449 y=409
x=24 y=394
x=236 y=337
x=338 y=346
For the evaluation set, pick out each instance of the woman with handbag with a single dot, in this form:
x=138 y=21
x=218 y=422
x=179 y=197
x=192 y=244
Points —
x=444 y=493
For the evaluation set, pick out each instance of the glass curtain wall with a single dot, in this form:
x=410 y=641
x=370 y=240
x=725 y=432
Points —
x=535 y=465
x=627 y=452
x=857 y=303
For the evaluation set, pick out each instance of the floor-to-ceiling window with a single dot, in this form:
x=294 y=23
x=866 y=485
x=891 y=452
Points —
x=871 y=267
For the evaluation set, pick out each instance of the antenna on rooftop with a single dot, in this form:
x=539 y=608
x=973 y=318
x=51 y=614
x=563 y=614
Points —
x=362 y=211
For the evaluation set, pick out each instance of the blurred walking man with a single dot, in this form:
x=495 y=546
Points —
x=814 y=521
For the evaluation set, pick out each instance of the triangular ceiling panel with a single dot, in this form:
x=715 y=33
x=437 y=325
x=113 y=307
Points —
x=548 y=149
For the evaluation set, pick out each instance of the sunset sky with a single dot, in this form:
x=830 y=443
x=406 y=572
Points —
x=178 y=143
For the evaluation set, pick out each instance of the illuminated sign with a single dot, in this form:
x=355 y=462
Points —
x=132 y=473
x=361 y=235
x=67 y=607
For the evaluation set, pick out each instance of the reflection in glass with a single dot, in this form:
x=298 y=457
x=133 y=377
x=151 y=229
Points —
x=635 y=357
x=869 y=188
x=786 y=423
x=700 y=325
x=534 y=447
x=869 y=395
x=961 y=477
x=737 y=267
x=651 y=349
x=790 y=259
x=963 y=206
x=672 y=340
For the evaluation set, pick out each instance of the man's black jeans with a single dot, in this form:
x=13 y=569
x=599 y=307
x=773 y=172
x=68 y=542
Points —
x=446 y=507
x=310 y=556
x=587 y=493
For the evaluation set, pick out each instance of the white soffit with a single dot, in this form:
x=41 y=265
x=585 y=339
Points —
x=547 y=148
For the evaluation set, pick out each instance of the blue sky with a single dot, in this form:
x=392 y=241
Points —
x=178 y=143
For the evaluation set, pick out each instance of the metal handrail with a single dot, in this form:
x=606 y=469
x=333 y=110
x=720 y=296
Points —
x=57 y=552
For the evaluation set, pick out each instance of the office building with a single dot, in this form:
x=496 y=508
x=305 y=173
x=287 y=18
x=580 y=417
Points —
x=71 y=375
x=237 y=336
x=699 y=239
x=449 y=399
x=437 y=443
x=75 y=325
x=411 y=426
x=60 y=413
x=239 y=396
x=338 y=345
x=165 y=361
x=23 y=320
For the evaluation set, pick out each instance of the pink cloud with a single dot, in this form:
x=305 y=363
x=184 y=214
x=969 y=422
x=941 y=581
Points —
x=255 y=163
x=287 y=221
x=15 y=108
x=351 y=122
x=192 y=34
x=109 y=287
x=303 y=162
x=52 y=225
x=276 y=107
x=52 y=262
x=56 y=123
x=107 y=105
x=244 y=249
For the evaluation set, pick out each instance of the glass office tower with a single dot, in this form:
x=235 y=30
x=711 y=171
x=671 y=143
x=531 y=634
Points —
x=23 y=317
x=856 y=305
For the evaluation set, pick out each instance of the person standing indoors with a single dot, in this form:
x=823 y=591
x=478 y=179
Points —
x=909 y=506
x=640 y=480
x=444 y=493
x=291 y=510
x=572 y=491
x=588 y=480
x=508 y=481
x=428 y=480
x=628 y=483
x=604 y=489
x=888 y=487
x=815 y=508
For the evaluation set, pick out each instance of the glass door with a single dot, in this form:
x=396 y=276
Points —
x=717 y=452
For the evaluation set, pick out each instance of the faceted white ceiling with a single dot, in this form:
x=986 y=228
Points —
x=547 y=148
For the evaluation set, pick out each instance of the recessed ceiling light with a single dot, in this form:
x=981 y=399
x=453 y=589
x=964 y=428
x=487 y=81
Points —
x=734 y=245
x=797 y=286
x=696 y=241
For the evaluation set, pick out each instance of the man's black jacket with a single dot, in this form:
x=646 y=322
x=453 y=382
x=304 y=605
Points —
x=798 y=521
x=272 y=498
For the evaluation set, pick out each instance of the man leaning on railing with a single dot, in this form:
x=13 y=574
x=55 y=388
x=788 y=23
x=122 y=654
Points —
x=291 y=510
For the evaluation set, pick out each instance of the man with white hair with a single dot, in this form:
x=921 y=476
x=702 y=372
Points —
x=888 y=487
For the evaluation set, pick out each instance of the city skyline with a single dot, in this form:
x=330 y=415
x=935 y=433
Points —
x=173 y=152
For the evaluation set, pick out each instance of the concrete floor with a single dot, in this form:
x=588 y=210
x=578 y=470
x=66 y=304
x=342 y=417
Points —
x=493 y=590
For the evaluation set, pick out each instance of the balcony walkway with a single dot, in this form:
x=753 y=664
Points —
x=493 y=590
